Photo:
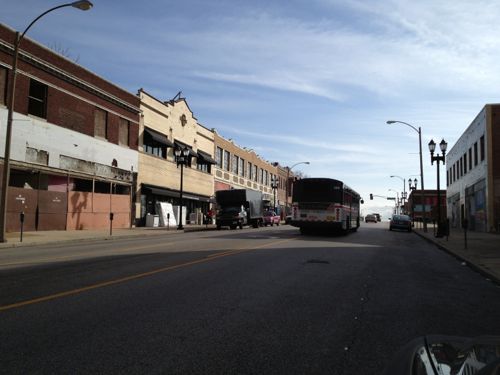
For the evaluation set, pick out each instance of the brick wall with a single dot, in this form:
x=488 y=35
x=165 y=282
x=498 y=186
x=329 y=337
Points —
x=72 y=97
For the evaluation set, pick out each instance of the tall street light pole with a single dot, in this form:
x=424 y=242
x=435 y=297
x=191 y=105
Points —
x=274 y=186
x=443 y=146
x=422 y=197
x=410 y=189
x=403 y=195
x=182 y=158
x=82 y=5
x=288 y=182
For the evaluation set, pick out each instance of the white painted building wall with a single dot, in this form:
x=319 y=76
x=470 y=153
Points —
x=471 y=135
x=28 y=131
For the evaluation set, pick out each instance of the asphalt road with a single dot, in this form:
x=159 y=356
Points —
x=252 y=301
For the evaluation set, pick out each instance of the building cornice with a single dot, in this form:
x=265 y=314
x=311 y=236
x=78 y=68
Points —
x=67 y=77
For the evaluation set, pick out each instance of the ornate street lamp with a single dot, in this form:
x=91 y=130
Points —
x=182 y=159
x=288 y=183
x=419 y=131
x=414 y=186
x=432 y=147
x=411 y=188
x=274 y=186
x=82 y=5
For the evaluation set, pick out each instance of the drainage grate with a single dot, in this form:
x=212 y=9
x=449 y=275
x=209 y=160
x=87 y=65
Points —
x=318 y=261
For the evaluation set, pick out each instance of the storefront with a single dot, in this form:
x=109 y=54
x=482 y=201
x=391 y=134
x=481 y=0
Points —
x=151 y=195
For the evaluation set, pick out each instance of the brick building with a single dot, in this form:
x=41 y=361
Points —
x=415 y=208
x=473 y=173
x=241 y=168
x=74 y=142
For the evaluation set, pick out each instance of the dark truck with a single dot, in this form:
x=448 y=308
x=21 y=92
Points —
x=239 y=207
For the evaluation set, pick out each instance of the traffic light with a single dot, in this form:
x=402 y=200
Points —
x=371 y=196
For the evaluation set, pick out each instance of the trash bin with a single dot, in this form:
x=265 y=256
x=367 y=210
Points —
x=152 y=220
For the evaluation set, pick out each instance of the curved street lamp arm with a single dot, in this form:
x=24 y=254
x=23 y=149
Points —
x=401 y=178
x=83 y=5
x=300 y=162
x=40 y=16
x=404 y=123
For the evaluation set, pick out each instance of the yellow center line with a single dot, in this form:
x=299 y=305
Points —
x=133 y=277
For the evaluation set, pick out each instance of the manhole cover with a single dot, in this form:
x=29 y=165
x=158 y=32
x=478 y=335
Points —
x=318 y=261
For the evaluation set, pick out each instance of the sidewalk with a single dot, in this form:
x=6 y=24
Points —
x=482 y=252
x=46 y=237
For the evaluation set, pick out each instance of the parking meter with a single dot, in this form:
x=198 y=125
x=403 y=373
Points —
x=21 y=219
x=111 y=216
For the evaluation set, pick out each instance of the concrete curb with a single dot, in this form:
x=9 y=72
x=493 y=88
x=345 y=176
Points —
x=479 y=269
x=103 y=237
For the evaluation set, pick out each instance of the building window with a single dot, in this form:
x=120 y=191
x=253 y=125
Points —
x=218 y=157
x=481 y=147
x=100 y=123
x=227 y=155
x=242 y=167
x=235 y=165
x=255 y=175
x=475 y=154
x=123 y=132
x=465 y=162
x=470 y=159
x=37 y=99
x=261 y=177
x=461 y=167
x=153 y=146
x=266 y=178
x=250 y=171
x=3 y=85
x=454 y=175
x=203 y=167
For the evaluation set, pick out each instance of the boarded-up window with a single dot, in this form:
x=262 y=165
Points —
x=37 y=156
x=3 y=85
x=100 y=123
x=123 y=132
x=37 y=99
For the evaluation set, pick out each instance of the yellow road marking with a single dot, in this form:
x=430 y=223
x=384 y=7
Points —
x=132 y=277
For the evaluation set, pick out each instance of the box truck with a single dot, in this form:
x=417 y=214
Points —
x=239 y=207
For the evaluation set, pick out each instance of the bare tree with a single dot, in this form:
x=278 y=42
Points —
x=63 y=51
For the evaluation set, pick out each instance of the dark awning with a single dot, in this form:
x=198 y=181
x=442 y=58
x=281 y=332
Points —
x=183 y=145
x=175 y=194
x=158 y=137
x=204 y=158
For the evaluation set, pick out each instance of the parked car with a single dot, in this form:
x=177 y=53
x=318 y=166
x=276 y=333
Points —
x=370 y=218
x=270 y=218
x=400 y=222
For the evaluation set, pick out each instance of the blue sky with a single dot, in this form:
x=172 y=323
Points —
x=298 y=80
